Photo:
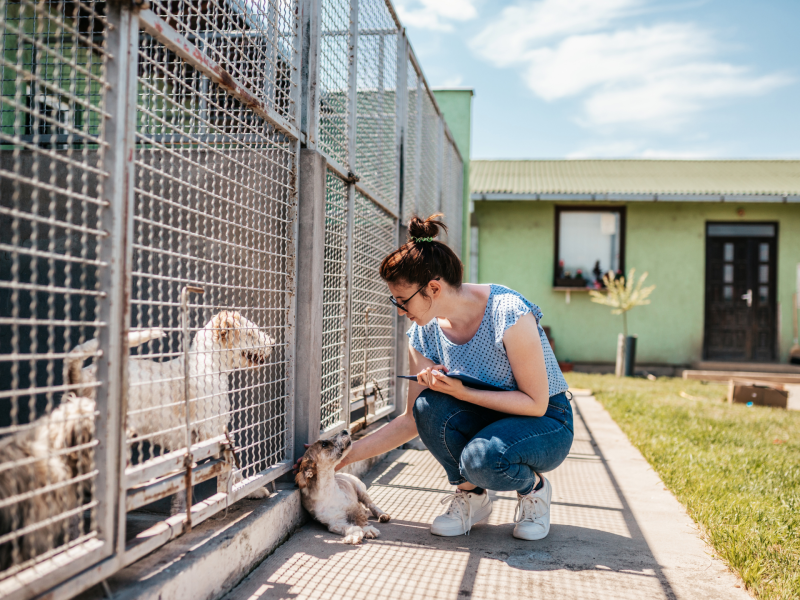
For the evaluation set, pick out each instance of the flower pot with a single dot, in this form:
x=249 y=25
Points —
x=577 y=282
x=626 y=355
x=630 y=355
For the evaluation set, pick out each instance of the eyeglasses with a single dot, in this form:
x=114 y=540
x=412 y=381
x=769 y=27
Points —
x=403 y=305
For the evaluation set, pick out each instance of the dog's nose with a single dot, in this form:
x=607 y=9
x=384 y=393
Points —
x=346 y=432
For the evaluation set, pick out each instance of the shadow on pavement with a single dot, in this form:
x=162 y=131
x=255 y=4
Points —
x=595 y=548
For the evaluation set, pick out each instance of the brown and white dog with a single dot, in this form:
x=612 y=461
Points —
x=337 y=500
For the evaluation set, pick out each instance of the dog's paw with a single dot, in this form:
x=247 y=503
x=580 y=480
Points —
x=370 y=532
x=384 y=518
x=354 y=539
x=259 y=493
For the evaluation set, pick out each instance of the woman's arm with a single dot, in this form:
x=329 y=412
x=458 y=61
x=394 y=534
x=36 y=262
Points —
x=398 y=431
x=526 y=355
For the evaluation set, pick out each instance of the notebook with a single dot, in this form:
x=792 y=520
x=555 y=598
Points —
x=467 y=380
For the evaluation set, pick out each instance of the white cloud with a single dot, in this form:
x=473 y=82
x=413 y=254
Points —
x=520 y=27
x=435 y=14
x=654 y=76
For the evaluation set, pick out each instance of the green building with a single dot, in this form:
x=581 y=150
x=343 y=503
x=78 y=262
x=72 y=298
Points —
x=456 y=106
x=719 y=239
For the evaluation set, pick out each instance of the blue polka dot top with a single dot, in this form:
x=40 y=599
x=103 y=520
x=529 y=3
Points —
x=484 y=356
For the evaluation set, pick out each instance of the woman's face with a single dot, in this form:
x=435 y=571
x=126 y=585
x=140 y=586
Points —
x=418 y=308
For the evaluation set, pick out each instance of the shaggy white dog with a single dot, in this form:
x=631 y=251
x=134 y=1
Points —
x=337 y=500
x=156 y=402
x=45 y=479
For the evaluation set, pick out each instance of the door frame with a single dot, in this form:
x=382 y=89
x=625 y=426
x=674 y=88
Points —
x=773 y=277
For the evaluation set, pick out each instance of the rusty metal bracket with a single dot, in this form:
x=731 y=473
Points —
x=351 y=177
x=232 y=447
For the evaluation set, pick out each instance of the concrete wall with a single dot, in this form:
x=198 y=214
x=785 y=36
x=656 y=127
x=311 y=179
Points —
x=666 y=239
x=456 y=106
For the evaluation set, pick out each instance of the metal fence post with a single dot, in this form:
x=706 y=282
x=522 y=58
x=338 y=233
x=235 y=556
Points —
x=352 y=96
x=120 y=129
x=310 y=280
x=348 y=335
x=310 y=27
x=401 y=322
x=352 y=88
x=401 y=107
x=421 y=89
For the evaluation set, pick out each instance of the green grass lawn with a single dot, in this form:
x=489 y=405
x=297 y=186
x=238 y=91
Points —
x=735 y=468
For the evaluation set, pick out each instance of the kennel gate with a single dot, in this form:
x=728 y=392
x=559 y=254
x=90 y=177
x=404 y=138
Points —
x=145 y=151
x=373 y=109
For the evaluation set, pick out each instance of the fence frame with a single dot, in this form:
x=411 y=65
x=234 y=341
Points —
x=127 y=19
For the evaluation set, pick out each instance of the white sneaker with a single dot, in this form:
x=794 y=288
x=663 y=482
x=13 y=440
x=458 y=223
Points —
x=464 y=511
x=532 y=515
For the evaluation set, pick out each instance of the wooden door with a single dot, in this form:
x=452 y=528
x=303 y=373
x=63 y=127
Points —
x=740 y=316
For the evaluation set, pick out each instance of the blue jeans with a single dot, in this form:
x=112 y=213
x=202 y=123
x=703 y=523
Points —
x=491 y=449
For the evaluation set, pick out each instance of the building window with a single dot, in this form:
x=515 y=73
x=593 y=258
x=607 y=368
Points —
x=589 y=243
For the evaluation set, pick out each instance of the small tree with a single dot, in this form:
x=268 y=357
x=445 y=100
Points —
x=622 y=295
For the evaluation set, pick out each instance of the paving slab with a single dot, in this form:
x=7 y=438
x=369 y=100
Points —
x=616 y=533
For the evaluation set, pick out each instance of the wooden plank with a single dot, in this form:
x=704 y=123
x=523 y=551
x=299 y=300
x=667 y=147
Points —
x=743 y=375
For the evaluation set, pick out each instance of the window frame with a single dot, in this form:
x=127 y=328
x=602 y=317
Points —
x=621 y=209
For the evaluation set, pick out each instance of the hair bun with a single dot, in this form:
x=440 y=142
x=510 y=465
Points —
x=429 y=228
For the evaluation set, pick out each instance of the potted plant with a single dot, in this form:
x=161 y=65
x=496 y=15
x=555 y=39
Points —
x=622 y=295
x=567 y=279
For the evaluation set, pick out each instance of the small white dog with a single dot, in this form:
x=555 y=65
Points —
x=337 y=500
x=44 y=475
x=156 y=403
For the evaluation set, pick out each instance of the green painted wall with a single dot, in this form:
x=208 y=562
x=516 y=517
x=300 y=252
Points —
x=516 y=246
x=456 y=106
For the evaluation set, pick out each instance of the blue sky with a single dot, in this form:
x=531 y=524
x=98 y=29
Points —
x=618 y=78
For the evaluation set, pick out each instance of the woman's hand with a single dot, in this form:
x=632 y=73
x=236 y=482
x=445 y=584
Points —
x=434 y=378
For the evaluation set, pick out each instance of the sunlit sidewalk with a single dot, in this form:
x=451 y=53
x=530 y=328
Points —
x=616 y=533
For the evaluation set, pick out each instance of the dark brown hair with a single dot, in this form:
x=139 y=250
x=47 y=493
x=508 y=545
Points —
x=417 y=261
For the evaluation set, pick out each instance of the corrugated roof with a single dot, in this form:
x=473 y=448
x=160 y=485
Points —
x=685 y=177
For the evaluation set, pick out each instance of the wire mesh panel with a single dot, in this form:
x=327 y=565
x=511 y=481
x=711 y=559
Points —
x=428 y=199
x=376 y=115
x=333 y=79
x=372 y=321
x=215 y=195
x=51 y=178
x=334 y=303
x=252 y=41
x=411 y=144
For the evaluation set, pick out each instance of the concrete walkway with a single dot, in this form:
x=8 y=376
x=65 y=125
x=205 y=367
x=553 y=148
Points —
x=616 y=533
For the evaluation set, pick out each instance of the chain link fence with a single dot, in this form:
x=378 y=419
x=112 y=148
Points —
x=149 y=181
